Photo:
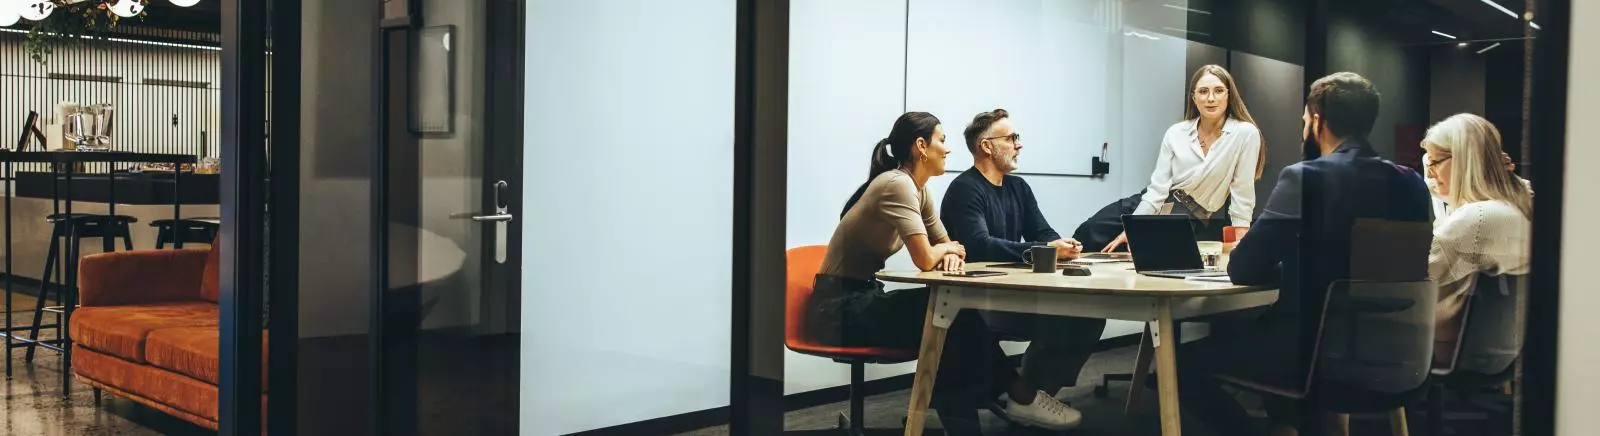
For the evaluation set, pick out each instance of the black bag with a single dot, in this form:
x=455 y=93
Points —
x=1104 y=226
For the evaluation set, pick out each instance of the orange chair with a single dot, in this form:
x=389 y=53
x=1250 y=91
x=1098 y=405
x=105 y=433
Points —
x=804 y=262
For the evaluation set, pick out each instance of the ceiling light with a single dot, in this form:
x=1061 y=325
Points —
x=1462 y=45
x=1489 y=48
x=1535 y=25
x=8 y=16
x=1501 y=8
x=127 y=8
x=1446 y=35
x=35 y=10
x=1181 y=8
x=185 y=3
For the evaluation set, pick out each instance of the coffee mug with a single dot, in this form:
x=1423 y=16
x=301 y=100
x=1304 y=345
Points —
x=1042 y=257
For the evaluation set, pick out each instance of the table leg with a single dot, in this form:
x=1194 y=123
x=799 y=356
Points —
x=927 y=368
x=1167 y=368
x=1141 y=370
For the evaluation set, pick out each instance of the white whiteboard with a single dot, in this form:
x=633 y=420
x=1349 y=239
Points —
x=1045 y=61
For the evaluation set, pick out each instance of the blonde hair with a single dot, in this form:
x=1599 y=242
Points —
x=1476 y=173
x=1236 y=108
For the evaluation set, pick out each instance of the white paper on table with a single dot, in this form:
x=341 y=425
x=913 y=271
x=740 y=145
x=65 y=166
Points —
x=1214 y=279
x=1095 y=261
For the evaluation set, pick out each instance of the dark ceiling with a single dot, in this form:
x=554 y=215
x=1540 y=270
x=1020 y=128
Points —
x=1467 y=20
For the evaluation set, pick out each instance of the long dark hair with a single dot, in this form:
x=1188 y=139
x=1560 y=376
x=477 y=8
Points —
x=1236 y=108
x=894 y=151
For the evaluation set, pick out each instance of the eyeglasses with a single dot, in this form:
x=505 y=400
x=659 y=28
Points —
x=1014 y=137
x=1433 y=165
x=1206 y=92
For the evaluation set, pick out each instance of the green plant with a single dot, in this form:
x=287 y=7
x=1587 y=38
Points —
x=74 y=22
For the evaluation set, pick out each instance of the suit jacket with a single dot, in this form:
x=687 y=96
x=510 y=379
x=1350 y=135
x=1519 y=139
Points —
x=1304 y=240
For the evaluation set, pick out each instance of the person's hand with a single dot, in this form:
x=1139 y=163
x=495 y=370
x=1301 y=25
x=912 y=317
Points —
x=953 y=247
x=1505 y=159
x=952 y=263
x=1115 y=243
x=1067 y=249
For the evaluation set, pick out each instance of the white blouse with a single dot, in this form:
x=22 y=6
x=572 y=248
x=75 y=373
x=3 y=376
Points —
x=1210 y=177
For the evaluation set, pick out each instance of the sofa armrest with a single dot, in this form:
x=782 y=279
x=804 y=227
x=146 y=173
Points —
x=140 y=277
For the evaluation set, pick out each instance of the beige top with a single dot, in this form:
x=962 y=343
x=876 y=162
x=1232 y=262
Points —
x=891 y=209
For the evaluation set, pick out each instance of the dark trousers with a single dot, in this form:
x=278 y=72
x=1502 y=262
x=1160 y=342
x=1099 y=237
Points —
x=972 y=369
x=1265 y=351
x=1058 y=347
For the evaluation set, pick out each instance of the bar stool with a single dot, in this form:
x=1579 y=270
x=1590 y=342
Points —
x=200 y=230
x=74 y=228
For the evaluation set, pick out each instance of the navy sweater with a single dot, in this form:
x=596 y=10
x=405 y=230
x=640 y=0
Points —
x=995 y=223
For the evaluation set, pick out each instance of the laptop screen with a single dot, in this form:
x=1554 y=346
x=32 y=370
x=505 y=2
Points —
x=1162 y=242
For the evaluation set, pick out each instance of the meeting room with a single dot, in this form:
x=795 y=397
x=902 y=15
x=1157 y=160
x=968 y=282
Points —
x=1146 y=217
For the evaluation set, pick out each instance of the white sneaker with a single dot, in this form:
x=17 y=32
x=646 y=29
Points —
x=1045 y=412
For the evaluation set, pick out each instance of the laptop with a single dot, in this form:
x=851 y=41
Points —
x=1164 y=246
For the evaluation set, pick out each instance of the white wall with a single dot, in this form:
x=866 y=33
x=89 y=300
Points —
x=1579 y=384
x=627 y=255
x=847 y=86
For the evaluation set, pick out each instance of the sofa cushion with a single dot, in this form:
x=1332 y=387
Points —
x=211 y=277
x=192 y=351
x=122 y=331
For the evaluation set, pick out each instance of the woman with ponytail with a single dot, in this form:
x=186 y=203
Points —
x=890 y=211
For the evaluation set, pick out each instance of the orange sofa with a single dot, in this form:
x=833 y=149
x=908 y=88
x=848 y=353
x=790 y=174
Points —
x=147 y=329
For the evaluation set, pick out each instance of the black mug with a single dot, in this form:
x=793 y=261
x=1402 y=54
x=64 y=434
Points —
x=1042 y=257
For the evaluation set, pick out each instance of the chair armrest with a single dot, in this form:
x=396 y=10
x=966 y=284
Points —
x=140 y=277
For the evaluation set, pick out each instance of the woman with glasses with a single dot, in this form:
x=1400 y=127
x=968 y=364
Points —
x=1209 y=162
x=1484 y=223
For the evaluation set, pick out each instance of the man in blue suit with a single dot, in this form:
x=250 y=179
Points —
x=1300 y=244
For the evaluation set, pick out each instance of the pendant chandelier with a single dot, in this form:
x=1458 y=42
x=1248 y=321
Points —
x=61 y=21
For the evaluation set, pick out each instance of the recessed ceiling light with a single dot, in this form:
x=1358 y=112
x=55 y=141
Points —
x=1446 y=35
x=1501 y=8
x=1181 y=8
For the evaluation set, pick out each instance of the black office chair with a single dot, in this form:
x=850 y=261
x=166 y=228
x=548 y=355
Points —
x=74 y=228
x=189 y=230
x=1374 y=352
x=1487 y=348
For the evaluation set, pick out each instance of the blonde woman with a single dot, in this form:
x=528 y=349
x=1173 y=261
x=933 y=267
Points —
x=1485 y=220
x=1209 y=162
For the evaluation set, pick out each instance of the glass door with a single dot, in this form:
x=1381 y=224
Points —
x=446 y=345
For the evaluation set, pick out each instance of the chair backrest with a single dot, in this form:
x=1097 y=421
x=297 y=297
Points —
x=803 y=265
x=1491 y=337
x=1377 y=336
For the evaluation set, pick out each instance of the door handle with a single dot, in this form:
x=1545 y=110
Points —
x=501 y=217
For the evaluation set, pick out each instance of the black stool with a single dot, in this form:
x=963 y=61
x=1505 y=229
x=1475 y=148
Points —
x=191 y=230
x=74 y=228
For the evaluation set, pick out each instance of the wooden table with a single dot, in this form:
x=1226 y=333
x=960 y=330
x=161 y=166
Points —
x=1113 y=291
